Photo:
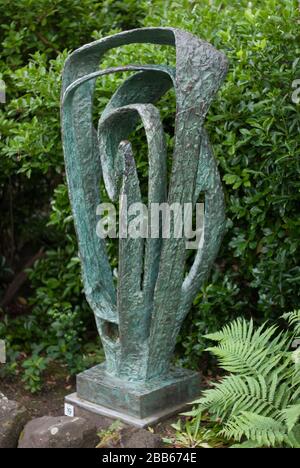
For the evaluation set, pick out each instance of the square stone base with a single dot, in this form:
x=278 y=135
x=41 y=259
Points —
x=104 y=417
x=138 y=404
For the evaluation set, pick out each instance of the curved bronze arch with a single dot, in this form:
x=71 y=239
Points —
x=147 y=319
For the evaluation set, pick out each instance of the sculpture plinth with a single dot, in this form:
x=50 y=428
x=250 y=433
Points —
x=136 y=403
x=139 y=321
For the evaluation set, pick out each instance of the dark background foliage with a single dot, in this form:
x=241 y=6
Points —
x=253 y=126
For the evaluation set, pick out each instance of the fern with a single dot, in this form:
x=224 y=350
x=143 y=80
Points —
x=291 y=415
x=296 y=383
x=259 y=401
x=293 y=318
x=266 y=431
x=245 y=351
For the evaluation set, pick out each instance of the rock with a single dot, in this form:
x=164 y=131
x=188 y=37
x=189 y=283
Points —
x=13 y=418
x=139 y=438
x=59 y=432
x=101 y=422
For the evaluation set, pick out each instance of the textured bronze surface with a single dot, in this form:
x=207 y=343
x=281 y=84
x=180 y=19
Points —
x=139 y=322
x=139 y=399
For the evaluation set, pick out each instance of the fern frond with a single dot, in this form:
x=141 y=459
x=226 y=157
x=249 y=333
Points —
x=235 y=394
x=293 y=438
x=265 y=431
x=246 y=445
x=242 y=350
x=260 y=399
x=293 y=319
x=239 y=329
x=282 y=396
x=296 y=384
x=291 y=416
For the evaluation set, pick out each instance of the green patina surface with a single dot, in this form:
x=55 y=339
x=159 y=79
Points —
x=154 y=291
x=138 y=399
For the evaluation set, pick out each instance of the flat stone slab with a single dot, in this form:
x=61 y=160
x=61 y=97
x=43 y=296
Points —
x=140 y=401
x=97 y=412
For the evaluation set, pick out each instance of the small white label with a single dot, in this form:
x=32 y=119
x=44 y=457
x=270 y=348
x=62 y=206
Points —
x=69 y=410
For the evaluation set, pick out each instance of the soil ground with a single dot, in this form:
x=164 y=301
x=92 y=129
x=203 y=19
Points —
x=48 y=402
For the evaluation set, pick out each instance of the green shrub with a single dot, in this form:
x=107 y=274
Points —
x=260 y=398
x=33 y=370
x=35 y=37
x=253 y=126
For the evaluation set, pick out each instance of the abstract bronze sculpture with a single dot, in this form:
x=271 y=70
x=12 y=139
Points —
x=139 y=322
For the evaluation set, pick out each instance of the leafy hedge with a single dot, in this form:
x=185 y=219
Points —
x=35 y=36
x=253 y=126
